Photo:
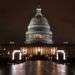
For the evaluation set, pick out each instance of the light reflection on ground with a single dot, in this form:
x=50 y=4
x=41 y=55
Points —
x=18 y=69
x=37 y=68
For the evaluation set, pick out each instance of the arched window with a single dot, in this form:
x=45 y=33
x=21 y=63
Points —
x=60 y=51
x=16 y=51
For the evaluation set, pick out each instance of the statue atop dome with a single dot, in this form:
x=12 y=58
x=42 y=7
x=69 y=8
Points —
x=38 y=11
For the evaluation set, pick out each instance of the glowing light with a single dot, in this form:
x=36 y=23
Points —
x=17 y=69
x=53 y=50
x=60 y=51
x=20 y=56
x=39 y=64
x=38 y=36
x=39 y=49
x=12 y=42
x=61 y=68
x=16 y=51
x=24 y=50
x=4 y=49
x=8 y=53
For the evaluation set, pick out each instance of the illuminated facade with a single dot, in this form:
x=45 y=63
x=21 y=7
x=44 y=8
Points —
x=38 y=42
x=39 y=32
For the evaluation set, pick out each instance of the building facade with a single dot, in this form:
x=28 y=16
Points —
x=38 y=34
x=38 y=42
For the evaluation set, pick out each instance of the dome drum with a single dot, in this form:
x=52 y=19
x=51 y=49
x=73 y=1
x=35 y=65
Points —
x=36 y=29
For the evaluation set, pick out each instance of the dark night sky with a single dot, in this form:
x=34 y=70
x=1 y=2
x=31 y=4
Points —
x=15 y=16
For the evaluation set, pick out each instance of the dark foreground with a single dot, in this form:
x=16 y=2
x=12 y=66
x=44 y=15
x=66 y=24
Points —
x=37 y=68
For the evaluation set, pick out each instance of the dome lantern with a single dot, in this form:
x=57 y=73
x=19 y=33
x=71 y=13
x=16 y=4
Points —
x=38 y=11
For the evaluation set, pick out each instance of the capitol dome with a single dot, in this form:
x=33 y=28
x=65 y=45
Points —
x=39 y=22
x=39 y=29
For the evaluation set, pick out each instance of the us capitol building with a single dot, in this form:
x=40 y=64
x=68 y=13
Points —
x=39 y=34
x=38 y=41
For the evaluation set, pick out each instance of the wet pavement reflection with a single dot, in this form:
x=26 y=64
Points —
x=37 y=68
